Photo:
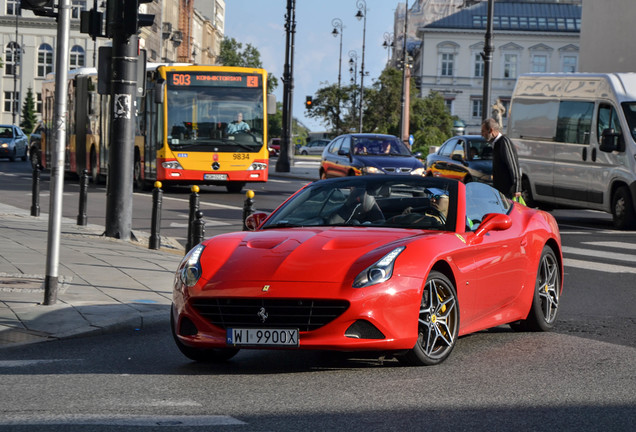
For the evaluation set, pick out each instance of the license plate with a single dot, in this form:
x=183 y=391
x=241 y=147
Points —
x=262 y=337
x=215 y=176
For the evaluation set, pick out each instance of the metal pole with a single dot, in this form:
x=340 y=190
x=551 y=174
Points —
x=119 y=197
x=487 y=56
x=282 y=164
x=83 y=199
x=404 y=121
x=57 y=156
x=362 y=4
x=337 y=24
x=16 y=100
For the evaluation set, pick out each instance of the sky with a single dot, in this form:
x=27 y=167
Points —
x=262 y=24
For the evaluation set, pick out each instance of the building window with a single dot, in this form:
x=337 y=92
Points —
x=13 y=7
x=569 y=63
x=476 y=107
x=77 y=7
x=539 y=63
x=45 y=60
x=478 y=69
x=10 y=98
x=510 y=66
x=447 y=64
x=77 y=57
x=449 y=105
x=11 y=58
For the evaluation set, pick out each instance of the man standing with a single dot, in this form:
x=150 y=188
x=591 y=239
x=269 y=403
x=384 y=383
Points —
x=506 y=175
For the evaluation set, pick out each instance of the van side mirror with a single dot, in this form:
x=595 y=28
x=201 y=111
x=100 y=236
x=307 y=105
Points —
x=611 y=141
x=160 y=86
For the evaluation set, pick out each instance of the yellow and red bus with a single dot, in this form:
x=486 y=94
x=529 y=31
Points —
x=187 y=127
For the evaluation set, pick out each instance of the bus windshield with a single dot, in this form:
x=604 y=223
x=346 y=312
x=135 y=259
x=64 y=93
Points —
x=220 y=119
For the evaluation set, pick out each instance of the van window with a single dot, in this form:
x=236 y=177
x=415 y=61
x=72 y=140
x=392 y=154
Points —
x=532 y=118
x=575 y=122
x=607 y=119
x=629 y=108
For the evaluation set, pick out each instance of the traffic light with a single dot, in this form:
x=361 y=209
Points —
x=132 y=19
x=309 y=102
x=91 y=23
x=39 y=7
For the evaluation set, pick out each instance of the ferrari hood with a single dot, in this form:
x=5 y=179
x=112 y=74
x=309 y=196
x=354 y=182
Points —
x=317 y=255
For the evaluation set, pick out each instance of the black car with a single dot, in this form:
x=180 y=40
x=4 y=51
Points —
x=359 y=154
x=465 y=157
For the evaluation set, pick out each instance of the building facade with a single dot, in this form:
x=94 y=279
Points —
x=528 y=36
x=29 y=43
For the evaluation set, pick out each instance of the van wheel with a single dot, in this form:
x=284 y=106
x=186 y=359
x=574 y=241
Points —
x=623 y=209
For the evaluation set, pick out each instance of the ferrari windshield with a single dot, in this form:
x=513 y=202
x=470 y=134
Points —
x=215 y=118
x=386 y=201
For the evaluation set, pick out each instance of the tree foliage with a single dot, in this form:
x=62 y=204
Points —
x=29 y=117
x=430 y=123
x=233 y=54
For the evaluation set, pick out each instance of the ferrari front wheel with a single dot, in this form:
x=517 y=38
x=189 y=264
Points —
x=545 y=302
x=438 y=323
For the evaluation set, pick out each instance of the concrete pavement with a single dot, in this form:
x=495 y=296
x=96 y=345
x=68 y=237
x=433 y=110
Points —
x=103 y=283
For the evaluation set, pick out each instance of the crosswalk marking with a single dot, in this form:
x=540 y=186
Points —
x=596 y=266
x=617 y=245
x=614 y=256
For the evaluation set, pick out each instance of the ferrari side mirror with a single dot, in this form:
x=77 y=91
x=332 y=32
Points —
x=255 y=220
x=493 y=222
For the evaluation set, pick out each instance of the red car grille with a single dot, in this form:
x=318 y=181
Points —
x=305 y=314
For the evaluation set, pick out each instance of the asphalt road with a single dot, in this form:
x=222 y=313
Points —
x=578 y=377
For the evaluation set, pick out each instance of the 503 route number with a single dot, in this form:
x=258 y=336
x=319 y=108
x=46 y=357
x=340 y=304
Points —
x=262 y=337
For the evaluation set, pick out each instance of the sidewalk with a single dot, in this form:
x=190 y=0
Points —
x=103 y=283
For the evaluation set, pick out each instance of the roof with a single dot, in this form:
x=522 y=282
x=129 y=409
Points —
x=515 y=16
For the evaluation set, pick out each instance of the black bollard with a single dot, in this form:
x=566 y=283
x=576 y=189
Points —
x=248 y=206
x=198 y=229
x=81 y=215
x=155 y=224
x=194 y=207
x=35 y=191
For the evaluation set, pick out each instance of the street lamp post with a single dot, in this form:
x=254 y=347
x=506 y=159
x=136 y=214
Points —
x=406 y=87
x=337 y=24
x=17 y=60
x=362 y=14
x=353 y=70
x=388 y=44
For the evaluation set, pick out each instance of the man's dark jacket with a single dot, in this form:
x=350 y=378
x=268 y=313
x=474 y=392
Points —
x=506 y=174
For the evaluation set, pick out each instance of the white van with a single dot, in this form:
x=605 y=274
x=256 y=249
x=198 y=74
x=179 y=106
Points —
x=575 y=136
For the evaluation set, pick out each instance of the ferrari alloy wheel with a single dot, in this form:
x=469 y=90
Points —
x=438 y=322
x=545 y=303
x=210 y=355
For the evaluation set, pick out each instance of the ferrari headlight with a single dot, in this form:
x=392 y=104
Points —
x=371 y=170
x=380 y=271
x=418 y=171
x=190 y=268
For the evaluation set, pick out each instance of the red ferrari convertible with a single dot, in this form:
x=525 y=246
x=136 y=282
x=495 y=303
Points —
x=395 y=264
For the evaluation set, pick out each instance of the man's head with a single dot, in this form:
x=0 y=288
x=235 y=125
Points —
x=490 y=129
x=239 y=117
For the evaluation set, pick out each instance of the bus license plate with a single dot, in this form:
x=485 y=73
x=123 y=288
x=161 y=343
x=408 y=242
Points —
x=262 y=337
x=215 y=176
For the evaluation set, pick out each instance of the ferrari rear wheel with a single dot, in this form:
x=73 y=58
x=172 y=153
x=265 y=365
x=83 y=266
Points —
x=210 y=355
x=438 y=323
x=545 y=303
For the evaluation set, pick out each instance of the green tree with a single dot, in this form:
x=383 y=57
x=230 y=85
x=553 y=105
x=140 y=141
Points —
x=233 y=54
x=332 y=105
x=275 y=125
x=29 y=117
x=431 y=124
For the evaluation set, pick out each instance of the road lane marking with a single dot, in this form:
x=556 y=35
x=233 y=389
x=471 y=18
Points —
x=595 y=266
x=130 y=420
x=617 y=245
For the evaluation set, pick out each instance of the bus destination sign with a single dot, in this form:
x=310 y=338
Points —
x=212 y=79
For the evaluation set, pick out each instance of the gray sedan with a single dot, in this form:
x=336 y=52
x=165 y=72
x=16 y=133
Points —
x=13 y=143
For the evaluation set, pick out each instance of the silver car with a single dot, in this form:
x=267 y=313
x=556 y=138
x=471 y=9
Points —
x=13 y=143
x=313 y=147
